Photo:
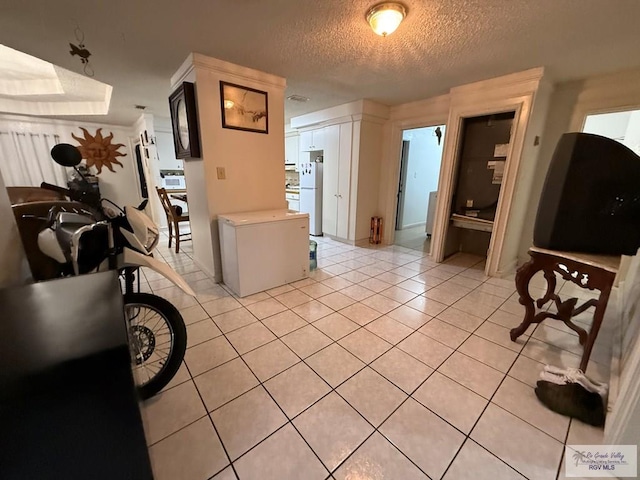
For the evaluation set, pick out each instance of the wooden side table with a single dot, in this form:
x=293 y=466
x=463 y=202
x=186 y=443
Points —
x=593 y=272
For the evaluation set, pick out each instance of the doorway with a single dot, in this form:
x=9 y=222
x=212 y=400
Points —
x=481 y=163
x=420 y=161
x=144 y=192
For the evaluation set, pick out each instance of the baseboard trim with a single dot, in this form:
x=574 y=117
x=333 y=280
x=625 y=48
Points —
x=202 y=267
x=413 y=225
x=511 y=268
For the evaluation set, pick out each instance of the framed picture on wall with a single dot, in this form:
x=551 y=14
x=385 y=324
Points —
x=184 y=120
x=244 y=108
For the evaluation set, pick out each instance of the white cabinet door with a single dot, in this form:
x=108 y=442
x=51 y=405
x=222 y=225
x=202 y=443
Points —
x=165 y=152
x=318 y=139
x=291 y=150
x=312 y=140
x=336 y=182
x=306 y=141
x=330 y=171
x=344 y=179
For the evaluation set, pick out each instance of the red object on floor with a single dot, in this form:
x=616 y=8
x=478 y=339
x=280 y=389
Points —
x=375 y=235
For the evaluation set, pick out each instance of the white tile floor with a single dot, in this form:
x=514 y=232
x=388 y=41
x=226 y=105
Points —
x=382 y=364
x=413 y=238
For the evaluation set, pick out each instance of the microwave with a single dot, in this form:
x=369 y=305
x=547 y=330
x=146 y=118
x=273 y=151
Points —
x=174 y=182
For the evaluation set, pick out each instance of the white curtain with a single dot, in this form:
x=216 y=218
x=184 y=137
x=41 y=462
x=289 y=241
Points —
x=25 y=159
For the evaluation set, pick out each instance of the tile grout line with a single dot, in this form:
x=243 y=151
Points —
x=289 y=421
x=393 y=344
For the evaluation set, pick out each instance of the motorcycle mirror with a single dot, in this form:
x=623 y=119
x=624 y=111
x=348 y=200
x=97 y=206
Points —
x=66 y=155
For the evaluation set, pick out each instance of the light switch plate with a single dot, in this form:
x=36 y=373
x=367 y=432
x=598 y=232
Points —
x=222 y=175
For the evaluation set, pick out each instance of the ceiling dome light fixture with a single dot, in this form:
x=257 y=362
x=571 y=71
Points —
x=384 y=18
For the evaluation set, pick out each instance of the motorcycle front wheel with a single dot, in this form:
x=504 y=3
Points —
x=157 y=341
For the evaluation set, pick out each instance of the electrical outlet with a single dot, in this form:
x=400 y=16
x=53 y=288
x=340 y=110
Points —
x=469 y=203
x=222 y=175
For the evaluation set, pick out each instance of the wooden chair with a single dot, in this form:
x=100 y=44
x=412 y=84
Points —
x=174 y=217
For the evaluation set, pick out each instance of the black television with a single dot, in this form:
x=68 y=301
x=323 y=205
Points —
x=590 y=201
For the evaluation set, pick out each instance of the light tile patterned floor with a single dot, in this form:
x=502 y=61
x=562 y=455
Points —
x=383 y=364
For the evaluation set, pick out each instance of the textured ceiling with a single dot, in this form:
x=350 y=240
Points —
x=325 y=48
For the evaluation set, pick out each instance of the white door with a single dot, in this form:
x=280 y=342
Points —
x=291 y=150
x=404 y=160
x=344 y=179
x=330 y=180
x=306 y=141
x=318 y=139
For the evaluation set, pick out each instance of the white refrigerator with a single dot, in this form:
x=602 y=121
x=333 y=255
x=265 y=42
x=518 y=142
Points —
x=263 y=250
x=311 y=194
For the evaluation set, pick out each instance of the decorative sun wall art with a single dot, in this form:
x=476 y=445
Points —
x=98 y=151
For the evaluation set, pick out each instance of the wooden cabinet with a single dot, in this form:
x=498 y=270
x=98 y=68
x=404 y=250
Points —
x=291 y=151
x=312 y=140
x=337 y=180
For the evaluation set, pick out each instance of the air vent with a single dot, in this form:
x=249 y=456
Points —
x=298 y=98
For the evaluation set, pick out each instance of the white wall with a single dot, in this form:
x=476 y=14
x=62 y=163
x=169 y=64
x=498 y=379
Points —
x=365 y=169
x=621 y=126
x=253 y=162
x=423 y=169
x=632 y=135
x=164 y=144
x=570 y=104
x=557 y=122
x=623 y=421
x=611 y=125
x=120 y=186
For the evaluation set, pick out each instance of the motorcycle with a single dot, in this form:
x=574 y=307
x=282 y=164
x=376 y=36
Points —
x=85 y=235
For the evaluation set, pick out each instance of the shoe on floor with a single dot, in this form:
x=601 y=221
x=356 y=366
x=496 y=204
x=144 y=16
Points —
x=572 y=400
x=573 y=375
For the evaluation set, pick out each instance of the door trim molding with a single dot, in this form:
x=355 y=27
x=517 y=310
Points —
x=474 y=102
x=394 y=154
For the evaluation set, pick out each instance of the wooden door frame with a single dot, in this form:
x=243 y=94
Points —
x=402 y=180
x=395 y=152
x=522 y=107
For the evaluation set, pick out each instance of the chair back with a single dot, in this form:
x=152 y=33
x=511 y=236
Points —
x=169 y=209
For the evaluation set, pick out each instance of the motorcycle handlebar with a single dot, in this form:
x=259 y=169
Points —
x=72 y=194
x=55 y=188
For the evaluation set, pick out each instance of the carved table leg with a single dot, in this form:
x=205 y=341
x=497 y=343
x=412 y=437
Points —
x=523 y=277
x=598 y=315
x=586 y=274
x=550 y=277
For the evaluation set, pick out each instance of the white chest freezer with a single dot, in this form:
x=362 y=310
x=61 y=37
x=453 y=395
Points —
x=263 y=250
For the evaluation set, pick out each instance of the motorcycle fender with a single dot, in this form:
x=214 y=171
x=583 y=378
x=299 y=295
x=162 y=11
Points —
x=48 y=244
x=133 y=258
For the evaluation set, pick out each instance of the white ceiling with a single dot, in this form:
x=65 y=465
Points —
x=31 y=86
x=325 y=48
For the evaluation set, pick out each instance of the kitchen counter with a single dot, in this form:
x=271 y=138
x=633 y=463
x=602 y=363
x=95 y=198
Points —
x=292 y=195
